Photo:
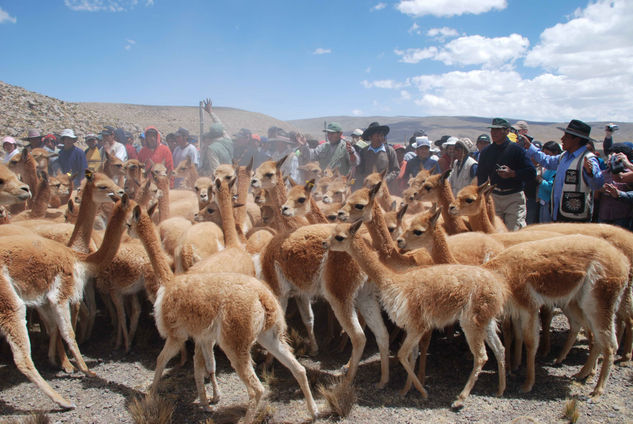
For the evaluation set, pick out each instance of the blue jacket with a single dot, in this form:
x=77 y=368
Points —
x=73 y=161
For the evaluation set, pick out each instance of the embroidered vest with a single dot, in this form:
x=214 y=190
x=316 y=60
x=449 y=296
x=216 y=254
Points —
x=576 y=201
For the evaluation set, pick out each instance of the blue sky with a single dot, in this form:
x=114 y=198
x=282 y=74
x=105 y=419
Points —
x=537 y=60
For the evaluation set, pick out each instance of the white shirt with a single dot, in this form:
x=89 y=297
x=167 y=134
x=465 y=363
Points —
x=118 y=150
x=7 y=156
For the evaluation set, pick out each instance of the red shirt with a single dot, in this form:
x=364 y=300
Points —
x=131 y=151
x=162 y=153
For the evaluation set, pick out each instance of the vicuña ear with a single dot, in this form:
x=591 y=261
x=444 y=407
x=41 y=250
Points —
x=151 y=209
x=136 y=213
x=114 y=197
x=309 y=186
x=249 y=167
x=232 y=182
x=445 y=174
x=218 y=183
x=355 y=226
x=435 y=216
x=281 y=161
x=71 y=205
x=89 y=175
x=291 y=181
x=483 y=187
x=402 y=211
x=383 y=173
x=374 y=190
x=124 y=200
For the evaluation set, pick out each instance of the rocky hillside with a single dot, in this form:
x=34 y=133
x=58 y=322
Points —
x=21 y=109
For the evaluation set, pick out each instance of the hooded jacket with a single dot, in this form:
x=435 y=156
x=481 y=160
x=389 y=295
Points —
x=161 y=154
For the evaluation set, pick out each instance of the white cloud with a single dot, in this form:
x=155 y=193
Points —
x=129 y=44
x=404 y=94
x=471 y=50
x=357 y=112
x=416 y=55
x=415 y=29
x=596 y=42
x=449 y=7
x=5 y=17
x=383 y=84
x=368 y=69
x=443 y=33
x=322 y=51
x=104 y=5
x=379 y=6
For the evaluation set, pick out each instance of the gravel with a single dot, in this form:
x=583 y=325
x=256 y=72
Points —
x=123 y=377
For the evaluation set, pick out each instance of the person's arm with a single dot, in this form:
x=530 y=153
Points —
x=592 y=173
x=208 y=107
x=526 y=171
x=393 y=166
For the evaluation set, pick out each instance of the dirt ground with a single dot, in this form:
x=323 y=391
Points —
x=123 y=377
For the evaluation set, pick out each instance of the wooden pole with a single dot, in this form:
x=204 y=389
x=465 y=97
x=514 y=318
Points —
x=200 y=107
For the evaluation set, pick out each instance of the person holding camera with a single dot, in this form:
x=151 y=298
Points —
x=609 y=129
x=616 y=206
x=578 y=173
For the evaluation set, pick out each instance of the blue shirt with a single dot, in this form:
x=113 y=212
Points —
x=561 y=163
x=73 y=161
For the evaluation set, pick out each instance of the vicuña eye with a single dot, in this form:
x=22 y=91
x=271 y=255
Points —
x=301 y=199
x=359 y=206
x=418 y=232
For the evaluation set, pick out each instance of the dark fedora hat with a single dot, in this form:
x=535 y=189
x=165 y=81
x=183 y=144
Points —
x=578 y=128
x=33 y=135
x=373 y=128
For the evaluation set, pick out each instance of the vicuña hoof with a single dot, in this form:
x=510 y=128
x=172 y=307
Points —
x=457 y=404
x=526 y=388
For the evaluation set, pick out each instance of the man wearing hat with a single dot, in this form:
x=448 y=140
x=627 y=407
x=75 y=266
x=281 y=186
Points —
x=184 y=149
x=482 y=142
x=335 y=154
x=421 y=160
x=447 y=151
x=93 y=154
x=33 y=139
x=10 y=147
x=215 y=149
x=72 y=159
x=464 y=167
x=577 y=173
x=110 y=143
x=378 y=156
x=357 y=141
x=508 y=168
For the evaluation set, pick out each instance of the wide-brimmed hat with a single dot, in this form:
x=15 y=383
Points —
x=32 y=135
x=333 y=127
x=442 y=140
x=374 y=128
x=520 y=125
x=578 y=129
x=499 y=123
x=466 y=143
x=216 y=130
x=357 y=132
x=68 y=133
x=107 y=130
x=422 y=141
x=91 y=136
x=451 y=141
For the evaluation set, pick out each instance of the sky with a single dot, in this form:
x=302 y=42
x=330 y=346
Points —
x=539 y=60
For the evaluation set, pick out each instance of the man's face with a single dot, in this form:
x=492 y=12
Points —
x=570 y=143
x=334 y=137
x=377 y=139
x=355 y=138
x=481 y=145
x=91 y=142
x=151 y=138
x=8 y=147
x=499 y=135
x=108 y=139
x=450 y=151
x=68 y=143
x=400 y=154
x=423 y=152
x=460 y=153
x=181 y=141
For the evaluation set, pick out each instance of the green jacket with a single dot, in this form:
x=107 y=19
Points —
x=215 y=153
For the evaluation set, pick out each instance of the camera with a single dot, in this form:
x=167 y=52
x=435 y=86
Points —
x=616 y=165
x=611 y=127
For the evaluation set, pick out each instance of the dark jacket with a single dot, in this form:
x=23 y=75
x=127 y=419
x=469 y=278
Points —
x=513 y=156
x=371 y=161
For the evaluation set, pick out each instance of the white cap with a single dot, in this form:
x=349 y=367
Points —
x=422 y=141
x=68 y=133
x=357 y=132
x=9 y=139
x=451 y=141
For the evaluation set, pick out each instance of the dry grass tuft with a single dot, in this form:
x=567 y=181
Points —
x=314 y=376
x=152 y=409
x=298 y=343
x=340 y=396
x=264 y=414
x=571 y=411
x=208 y=421
x=268 y=376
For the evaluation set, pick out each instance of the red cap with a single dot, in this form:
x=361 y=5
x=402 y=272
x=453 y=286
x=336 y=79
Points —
x=398 y=146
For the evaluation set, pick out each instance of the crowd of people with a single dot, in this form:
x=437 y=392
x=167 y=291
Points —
x=534 y=182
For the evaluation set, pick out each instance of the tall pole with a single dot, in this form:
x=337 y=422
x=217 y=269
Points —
x=200 y=107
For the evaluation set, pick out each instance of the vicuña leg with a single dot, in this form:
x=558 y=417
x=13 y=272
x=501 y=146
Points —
x=404 y=354
x=347 y=317
x=171 y=348
x=307 y=316
x=370 y=310
x=493 y=340
x=475 y=336
x=62 y=316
